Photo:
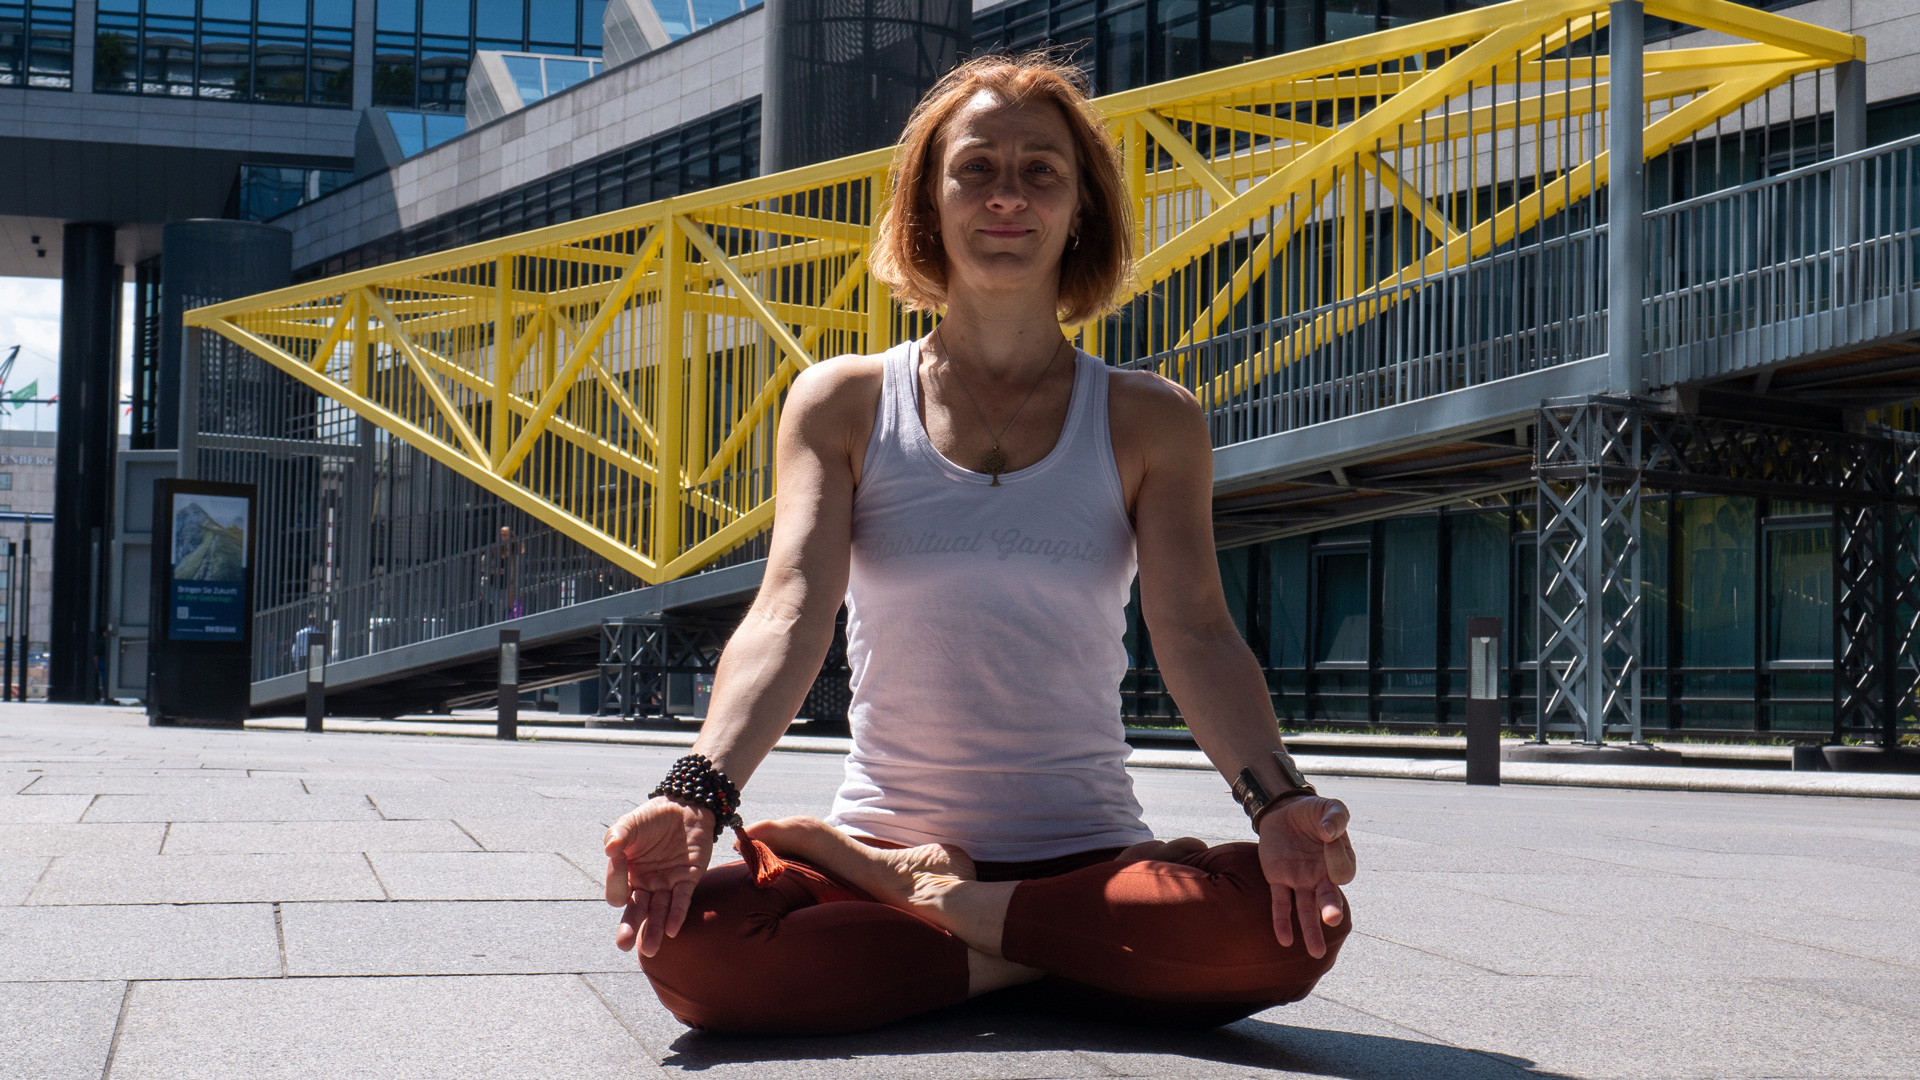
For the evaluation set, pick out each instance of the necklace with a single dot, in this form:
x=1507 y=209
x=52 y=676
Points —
x=995 y=462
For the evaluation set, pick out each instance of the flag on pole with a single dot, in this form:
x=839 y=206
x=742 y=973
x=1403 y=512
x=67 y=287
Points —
x=25 y=393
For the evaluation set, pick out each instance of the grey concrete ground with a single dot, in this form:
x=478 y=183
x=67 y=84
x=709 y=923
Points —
x=180 y=903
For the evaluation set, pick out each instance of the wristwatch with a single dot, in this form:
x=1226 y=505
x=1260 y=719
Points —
x=1254 y=798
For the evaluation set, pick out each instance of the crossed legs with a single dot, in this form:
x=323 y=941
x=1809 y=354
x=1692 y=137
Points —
x=1179 y=928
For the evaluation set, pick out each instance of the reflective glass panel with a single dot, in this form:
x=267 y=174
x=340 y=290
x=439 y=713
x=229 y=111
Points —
x=1287 y=597
x=444 y=17
x=1478 y=583
x=394 y=15
x=1231 y=33
x=331 y=69
x=235 y=10
x=1402 y=12
x=337 y=13
x=708 y=12
x=392 y=74
x=675 y=16
x=286 y=12
x=1233 y=584
x=503 y=18
x=564 y=73
x=1717 y=601
x=166 y=61
x=552 y=21
x=593 y=14
x=1409 y=591
x=409 y=130
x=1525 y=620
x=224 y=63
x=116 y=57
x=440 y=127
x=1179 y=38
x=1350 y=18
x=1123 y=59
x=280 y=71
x=1800 y=593
x=1340 y=631
x=525 y=73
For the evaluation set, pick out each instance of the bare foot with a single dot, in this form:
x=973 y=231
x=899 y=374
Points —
x=912 y=879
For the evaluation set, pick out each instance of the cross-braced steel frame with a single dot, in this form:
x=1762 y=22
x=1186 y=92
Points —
x=1593 y=459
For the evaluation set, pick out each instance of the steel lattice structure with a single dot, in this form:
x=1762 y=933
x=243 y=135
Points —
x=1593 y=459
x=1306 y=223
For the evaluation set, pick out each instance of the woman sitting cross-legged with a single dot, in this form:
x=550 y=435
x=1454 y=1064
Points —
x=981 y=498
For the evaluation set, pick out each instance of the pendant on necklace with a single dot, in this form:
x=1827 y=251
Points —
x=995 y=462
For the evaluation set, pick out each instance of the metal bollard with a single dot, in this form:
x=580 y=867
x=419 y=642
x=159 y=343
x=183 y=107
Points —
x=509 y=703
x=1483 y=700
x=316 y=680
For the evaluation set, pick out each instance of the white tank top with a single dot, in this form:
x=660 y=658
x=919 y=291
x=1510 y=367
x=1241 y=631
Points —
x=985 y=632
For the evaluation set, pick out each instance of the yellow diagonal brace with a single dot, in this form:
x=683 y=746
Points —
x=1764 y=27
x=1407 y=196
x=424 y=375
x=743 y=292
x=1184 y=153
x=571 y=525
x=558 y=388
x=769 y=391
x=1320 y=161
x=610 y=384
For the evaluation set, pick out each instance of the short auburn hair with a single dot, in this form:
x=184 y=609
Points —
x=907 y=253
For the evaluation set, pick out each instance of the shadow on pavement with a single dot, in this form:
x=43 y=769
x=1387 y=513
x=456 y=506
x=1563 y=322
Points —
x=999 y=1029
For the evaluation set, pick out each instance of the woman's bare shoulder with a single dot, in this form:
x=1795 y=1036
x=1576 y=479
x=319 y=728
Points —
x=847 y=381
x=1146 y=397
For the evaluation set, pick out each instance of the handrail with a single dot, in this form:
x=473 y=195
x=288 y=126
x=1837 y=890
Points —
x=1305 y=222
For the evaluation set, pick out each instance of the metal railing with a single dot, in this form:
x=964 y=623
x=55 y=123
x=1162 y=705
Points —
x=1818 y=258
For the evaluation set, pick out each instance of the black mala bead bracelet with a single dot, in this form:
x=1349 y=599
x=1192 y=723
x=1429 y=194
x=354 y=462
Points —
x=695 y=781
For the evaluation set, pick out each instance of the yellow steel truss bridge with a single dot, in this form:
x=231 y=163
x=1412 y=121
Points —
x=621 y=377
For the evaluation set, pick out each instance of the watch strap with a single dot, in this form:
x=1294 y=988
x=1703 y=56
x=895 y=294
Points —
x=1253 y=795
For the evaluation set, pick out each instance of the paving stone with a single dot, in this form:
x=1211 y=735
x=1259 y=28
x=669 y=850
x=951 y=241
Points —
x=208 y=879
x=34 y=809
x=1654 y=1028
x=583 y=842
x=142 y=838
x=524 y=806
x=158 y=941
x=277 y=806
x=973 y=1042
x=452 y=937
x=57 y=1031
x=504 y=875
x=474 y=1028
x=223 y=783
x=18 y=875
x=297 y=837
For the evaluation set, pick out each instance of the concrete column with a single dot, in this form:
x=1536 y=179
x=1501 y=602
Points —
x=83 y=38
x=1626 y=201
x=1849 y=107
x=83 y=489
x=363 y=54
x=843 y=75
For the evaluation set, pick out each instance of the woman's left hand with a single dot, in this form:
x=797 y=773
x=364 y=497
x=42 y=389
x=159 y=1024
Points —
x=1306 y=855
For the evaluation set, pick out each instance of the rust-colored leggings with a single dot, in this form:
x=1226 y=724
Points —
x=1189 y=941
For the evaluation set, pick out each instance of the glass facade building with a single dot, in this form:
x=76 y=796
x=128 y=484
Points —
x=286 y=52
x=424 y=48
x=36 y=43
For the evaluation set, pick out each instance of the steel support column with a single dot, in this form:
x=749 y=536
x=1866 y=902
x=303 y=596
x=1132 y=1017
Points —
x=83 y=489
x=1626 y=199
x=1588 y=565
x=1876 y=602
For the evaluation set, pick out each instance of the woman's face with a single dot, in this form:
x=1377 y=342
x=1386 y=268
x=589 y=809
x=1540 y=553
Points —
x=1008 y=195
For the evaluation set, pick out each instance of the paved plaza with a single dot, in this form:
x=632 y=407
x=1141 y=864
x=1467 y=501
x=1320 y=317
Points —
x=209 y=904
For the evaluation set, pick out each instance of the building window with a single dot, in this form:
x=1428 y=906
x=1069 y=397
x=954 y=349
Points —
x=287 y=52
x=268 y=191
x=424 y=48
x=6 y=481
x=36 y=43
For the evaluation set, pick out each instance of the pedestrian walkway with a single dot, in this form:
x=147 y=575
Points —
x=264 y=903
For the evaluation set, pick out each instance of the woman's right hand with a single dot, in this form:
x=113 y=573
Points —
x=655 y=855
